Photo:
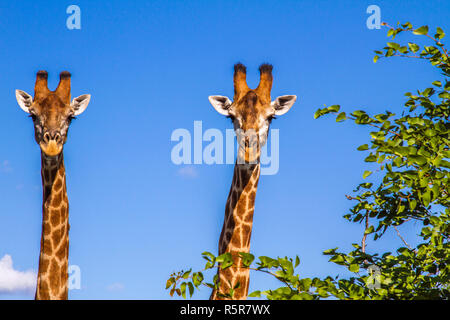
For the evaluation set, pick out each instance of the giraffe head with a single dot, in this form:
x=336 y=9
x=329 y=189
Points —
x=252 y=110
x=51 y=111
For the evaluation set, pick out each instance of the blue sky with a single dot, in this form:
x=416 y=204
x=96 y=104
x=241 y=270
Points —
x=150 y=65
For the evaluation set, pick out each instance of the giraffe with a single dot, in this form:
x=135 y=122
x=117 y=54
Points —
x=52 y=112
x=251 y=112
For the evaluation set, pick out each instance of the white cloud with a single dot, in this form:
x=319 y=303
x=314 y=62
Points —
x=188 y=172
x=115 y=287
x=13 y=281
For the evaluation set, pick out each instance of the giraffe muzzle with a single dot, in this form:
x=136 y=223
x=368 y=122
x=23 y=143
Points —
x=249 y=149
x=52 y=143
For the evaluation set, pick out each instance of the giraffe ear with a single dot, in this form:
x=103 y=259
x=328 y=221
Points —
x=24 y=100
x=282 y=104
x=221 y=103
x=79 y=104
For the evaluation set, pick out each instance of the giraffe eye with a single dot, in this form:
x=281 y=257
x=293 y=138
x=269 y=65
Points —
x=270 y=118
x=33 y=116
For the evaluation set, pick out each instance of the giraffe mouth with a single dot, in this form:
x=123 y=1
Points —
x=51 y=148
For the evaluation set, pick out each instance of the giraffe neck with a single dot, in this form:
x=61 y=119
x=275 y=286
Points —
x=53 y=260
x=237 y=229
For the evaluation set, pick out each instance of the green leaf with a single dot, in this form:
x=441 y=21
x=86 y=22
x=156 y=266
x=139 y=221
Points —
x=225 y=260
x=407 y=25
x=358 y=113
x=363 y=147
x=371 y=158
x=366 y=174
x=268 y=262
x=354 y=268
x=421 y=31
x=208 y=256
x=330 y=251
x=412 y=204
x=197 y=278
x=255 y=294
x=334 y=108
x=305 y=284
x=393 y=45
x=247 y=258
x=170 y=282
x=439 y=33
x=305 y=296
x=341 y=117
x=183 y=290
x=426 y=198
x=437 y=83
x=369 y=230
x=318 y=113
x=191 y=289
x=417 y=159
x=413 y=47
x=297 y=261
x=338 y=259
x=186 y=274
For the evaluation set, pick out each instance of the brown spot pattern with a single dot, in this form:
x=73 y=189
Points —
x=53 y=261
x=236 y=232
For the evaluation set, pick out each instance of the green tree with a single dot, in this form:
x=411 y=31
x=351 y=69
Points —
x=412 y=153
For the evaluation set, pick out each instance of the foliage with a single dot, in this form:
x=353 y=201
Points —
x=280 y=268
x=412 y=155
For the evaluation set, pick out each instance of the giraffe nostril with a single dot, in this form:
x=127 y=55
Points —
x=46 y=137
x=51 y=136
